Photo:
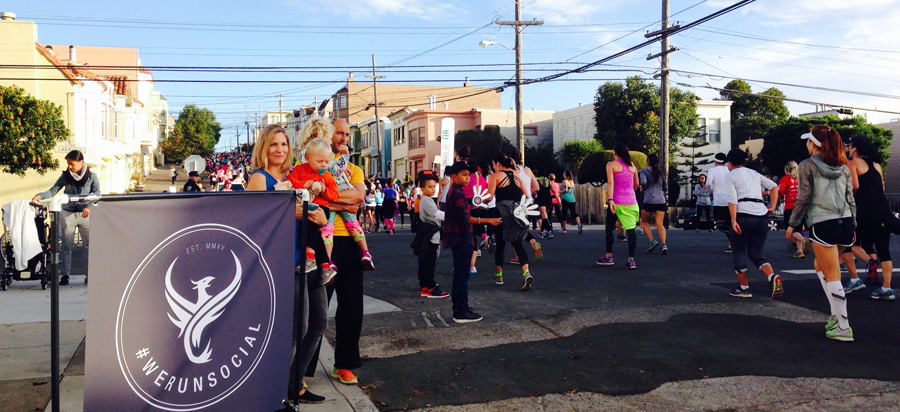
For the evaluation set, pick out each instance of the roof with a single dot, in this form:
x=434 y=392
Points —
x=69 y=74
x=121 y=87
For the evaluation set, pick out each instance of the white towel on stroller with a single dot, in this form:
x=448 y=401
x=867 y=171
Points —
x=18 y=216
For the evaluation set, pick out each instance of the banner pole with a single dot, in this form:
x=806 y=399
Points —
x=304 y=226
x=54 y=310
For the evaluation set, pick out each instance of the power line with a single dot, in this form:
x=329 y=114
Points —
x=828 y=89
x=787 y=99
x=646 y=43
x=823 y=46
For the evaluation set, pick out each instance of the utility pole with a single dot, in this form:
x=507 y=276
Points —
x=280 y=117
x=518 y=24
x=378 y=145
x=237 y=135
x=247 y=123
x=664 y=103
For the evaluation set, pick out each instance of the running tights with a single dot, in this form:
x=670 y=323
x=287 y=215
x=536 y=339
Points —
x=611 y=235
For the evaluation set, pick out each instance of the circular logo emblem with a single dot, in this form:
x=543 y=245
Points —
x=195 y=318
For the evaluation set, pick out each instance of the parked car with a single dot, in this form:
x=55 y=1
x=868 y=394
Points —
x=686 y=221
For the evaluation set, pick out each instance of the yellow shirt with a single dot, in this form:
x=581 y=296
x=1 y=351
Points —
x=356 y=178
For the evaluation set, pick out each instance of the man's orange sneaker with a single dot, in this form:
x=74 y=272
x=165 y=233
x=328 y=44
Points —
x=344 y=375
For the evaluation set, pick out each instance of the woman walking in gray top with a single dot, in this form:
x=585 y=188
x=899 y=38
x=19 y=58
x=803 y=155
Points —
x=654 y=185
x=825 y=201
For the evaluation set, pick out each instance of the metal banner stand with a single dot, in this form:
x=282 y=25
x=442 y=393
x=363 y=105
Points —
x=55 y=207
x=303 y=195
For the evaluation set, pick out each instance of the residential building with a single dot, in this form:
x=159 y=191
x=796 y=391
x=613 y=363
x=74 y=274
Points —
x=892 y=174
x=399 y=146
x=423 y=130
x=376 y=156
x=354 y=102
x=295 y=123
x=538 y=124
x=576 y=123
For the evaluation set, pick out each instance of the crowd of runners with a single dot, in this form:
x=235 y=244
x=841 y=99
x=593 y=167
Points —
x=834 y=207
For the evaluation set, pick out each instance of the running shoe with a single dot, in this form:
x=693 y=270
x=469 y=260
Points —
x=854 y=285
x=482 y=244
x=606 y=261
x=329 y=271
x=740 y=292
x=563 y=232
x=629 y=264
x=664 y=250
x=845 y=335
x=652 y=245
x=580 y=229
x=498 y=279
x=367 y=263
x=64 y=280
x=538 y=253
x=478 y=253
x=526 y=281
x=711 y=231
x=515 y=261
x=799 y=255
x=307 y=397
x=832 y=322
x=777 y=287
x=549 y=234
x=883 y=294
x=310 y=265
x=842 y=267
x=434 y=293
x=872 y=271
x=344 y=375
x=728 y=249
x=473 y=271
x=491 y=245
x=543 y=234
x=467 y=317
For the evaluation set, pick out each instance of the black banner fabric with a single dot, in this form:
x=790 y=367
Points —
x=190 y=304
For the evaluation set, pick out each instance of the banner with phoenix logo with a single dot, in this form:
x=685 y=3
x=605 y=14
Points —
x=191 y=303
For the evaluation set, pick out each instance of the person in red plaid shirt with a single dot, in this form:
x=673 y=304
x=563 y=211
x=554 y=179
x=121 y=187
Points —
x=458 y=237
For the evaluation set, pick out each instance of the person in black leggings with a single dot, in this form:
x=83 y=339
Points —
x=509 y=190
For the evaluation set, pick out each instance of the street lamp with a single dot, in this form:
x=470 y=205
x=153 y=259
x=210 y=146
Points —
x=520 y=126
x=485 y=43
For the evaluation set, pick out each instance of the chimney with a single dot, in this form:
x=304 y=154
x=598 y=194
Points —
x=72 y=54
x=579 y=104
x=49 y=49
x=350 y=78
x=6 y=15
x=446 y=106
x=467 y=84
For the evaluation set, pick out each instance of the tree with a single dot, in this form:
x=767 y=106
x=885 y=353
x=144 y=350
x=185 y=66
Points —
x=629 y=113
x=593 y=170
x=542 y=160
x=29 y=130
x=784 y=144
x=484 y=145
x=573 y=152
x=695 y=159
x=752 y=117
x=196 y=132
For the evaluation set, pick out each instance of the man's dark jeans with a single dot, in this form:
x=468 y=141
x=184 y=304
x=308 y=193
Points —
x=462 y=258
x=752 y=238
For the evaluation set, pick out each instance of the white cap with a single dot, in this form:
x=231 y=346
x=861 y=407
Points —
x=811 y=137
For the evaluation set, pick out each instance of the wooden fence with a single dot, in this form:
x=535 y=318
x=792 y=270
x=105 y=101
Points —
x=589 y=203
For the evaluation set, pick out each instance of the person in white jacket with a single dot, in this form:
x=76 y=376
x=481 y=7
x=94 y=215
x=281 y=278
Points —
x=716 y=183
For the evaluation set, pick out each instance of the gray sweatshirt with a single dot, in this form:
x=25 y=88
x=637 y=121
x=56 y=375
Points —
x=429 y=212
x=825 y=193
x=655 y=192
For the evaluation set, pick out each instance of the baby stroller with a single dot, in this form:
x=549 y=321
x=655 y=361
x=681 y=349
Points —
x=36 y=266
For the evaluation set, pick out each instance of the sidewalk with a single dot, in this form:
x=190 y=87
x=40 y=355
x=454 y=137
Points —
x=25 y=353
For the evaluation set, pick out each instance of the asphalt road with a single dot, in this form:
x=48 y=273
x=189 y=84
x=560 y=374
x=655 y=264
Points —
x=608 y=330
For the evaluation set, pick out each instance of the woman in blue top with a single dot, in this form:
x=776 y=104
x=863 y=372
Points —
x=388 y=208
x=271 y=162
x=379 y=206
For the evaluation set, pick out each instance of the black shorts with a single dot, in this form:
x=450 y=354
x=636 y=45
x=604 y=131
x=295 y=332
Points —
x=655 y=207
x=721 y=213
x=835 y=232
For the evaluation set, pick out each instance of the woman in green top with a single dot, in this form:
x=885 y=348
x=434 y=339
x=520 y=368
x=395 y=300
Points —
x=567 y=194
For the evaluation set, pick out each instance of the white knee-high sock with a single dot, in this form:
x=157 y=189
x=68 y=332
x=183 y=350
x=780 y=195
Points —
x=839 y=302
x=821 y=277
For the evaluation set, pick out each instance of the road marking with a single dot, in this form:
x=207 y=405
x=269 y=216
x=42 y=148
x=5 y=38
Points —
x=427 y=321
x=813 y=271
x=440 y=318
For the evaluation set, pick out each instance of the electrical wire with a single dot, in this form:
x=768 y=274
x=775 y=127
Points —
x=829 y=89
x=787 y=99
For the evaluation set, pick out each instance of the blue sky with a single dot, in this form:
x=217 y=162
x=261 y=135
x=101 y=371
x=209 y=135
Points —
x=848 y=46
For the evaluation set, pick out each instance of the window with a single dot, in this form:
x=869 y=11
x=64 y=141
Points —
x=421 y=136
x=701 y=131
x=713 y=130
x=342 y=101
x=399 y=135
x=413 y=138
x=531 y=131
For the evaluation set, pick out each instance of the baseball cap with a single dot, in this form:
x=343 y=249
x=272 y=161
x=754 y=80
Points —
x=460 y=166
x=721 y=157
x=737 y=157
